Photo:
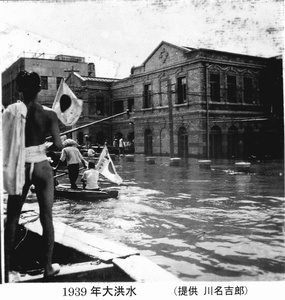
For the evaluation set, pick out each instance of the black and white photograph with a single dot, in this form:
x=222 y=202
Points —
x=142 y=149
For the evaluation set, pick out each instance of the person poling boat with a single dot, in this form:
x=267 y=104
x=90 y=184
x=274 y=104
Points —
x=25 y=126
x=105 y=167
x=91 y=190
x=73 y=157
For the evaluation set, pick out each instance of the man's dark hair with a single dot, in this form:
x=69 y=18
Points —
x=28 y=83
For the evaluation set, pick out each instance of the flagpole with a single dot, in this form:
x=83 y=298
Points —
x=92 y=123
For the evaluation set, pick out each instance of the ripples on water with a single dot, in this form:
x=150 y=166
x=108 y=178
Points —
x=198 y=224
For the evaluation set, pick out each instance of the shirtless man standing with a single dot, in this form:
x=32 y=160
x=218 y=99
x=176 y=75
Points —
x=40 y=122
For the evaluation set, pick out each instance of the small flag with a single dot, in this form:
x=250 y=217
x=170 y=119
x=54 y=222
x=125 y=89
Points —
x=66 y=105
x=106 y=167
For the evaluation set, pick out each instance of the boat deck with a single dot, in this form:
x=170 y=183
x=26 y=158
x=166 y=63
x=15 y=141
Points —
x=99 y=259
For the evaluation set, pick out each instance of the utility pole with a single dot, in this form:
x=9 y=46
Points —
x=72 y=70
x=171 y=142
x=207 y=112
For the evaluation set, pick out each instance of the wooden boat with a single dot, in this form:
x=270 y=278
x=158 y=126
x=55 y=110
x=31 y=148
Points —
x=64 y=191
x=82 y=257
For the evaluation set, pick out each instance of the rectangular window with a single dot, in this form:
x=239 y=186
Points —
x=100 y=111
x=58 y=81
x=44 y=82
x=181 y=90
x=215 y=87
x=147 y=96
x=118 y=107
x=130 y=105
x=248 y=90
x=232 y=89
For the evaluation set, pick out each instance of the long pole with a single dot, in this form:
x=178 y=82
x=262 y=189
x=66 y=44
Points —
x=2 y=256
x=93 y=123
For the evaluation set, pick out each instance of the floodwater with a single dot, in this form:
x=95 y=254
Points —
x=199 y=224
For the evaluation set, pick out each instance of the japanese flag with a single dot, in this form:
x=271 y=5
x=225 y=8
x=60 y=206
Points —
x=66 y=105
x=106 y=167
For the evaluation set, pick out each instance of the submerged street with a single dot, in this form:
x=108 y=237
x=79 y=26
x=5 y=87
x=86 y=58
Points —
x=199 y=224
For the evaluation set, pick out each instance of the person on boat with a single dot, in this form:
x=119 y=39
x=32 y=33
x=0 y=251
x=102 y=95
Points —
x=90 y=178
x=90 y=153
x=121 y=146
x=73 y=158
x=88 y=139
x=25 y=127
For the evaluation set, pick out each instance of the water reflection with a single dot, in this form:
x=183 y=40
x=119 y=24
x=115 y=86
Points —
x=198 y=224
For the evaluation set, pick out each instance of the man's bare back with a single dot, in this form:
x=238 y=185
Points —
x=40 y=123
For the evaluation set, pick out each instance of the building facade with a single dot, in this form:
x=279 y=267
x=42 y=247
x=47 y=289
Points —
x=96 y=95
x=187 y=102
x=51 y=71
x=204 y=103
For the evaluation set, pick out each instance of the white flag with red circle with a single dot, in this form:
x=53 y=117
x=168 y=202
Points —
x=66 y=105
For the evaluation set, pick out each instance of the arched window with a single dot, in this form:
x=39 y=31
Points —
x=182 y=142
x=216 y=142
x=131 y=141
x=148 y=142
x=130 y=136
x=100 y=138
x=232 y=142
x=249 y=139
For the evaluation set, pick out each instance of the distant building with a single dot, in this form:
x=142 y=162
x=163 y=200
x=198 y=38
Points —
x=51 y=70
x=183 y=102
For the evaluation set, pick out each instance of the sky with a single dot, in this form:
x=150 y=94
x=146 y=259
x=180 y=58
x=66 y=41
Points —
x=119 y=34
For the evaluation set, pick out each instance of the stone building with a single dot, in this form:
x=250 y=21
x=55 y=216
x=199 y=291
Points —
x=204 y=103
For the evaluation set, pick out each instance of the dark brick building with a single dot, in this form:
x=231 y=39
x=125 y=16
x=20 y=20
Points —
x=204 y=103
